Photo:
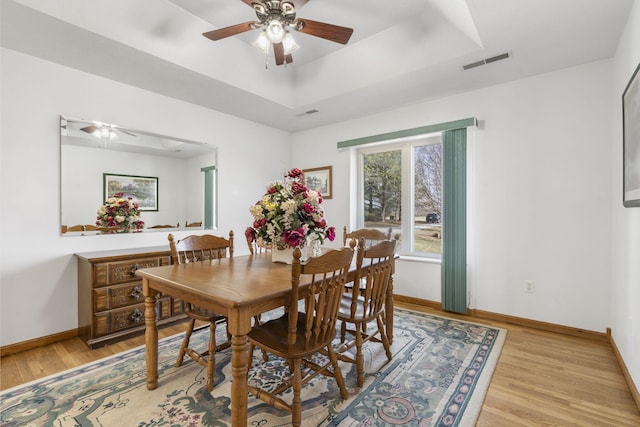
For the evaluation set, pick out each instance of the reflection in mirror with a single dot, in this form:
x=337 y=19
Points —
x=173 y=179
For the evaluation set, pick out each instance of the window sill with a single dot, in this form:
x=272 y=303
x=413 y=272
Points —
x=410 y=258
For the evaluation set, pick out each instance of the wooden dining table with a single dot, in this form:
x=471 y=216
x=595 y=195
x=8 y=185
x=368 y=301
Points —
x=238 y=288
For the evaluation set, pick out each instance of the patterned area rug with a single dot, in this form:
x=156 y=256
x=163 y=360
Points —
x=438 y=376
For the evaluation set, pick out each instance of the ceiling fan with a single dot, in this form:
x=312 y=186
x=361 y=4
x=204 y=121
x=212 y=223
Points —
x=275 y=17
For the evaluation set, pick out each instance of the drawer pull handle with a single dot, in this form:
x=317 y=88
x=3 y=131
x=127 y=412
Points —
x=137 y=315
x=136 y=293
x=134 y=269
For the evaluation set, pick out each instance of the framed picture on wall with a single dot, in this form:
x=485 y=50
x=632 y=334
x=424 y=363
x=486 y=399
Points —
x=319 y=179
x=143 y=189
x=631 y=142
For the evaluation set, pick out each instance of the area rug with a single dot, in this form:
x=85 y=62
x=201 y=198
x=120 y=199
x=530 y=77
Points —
x=438 y=376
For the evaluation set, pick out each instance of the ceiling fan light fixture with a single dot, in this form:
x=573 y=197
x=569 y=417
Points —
x=275 y=31
x=289 y=44
x=262 y=42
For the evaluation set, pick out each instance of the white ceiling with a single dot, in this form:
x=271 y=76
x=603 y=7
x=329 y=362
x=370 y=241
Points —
x=401 y=52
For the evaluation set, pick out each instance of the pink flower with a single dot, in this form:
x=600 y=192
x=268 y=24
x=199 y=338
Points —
x=331 y=233
x=250 y=233
x=294 y=238
x=322 y=223
x=295 y=173
x=308 y=208
x=297 y=188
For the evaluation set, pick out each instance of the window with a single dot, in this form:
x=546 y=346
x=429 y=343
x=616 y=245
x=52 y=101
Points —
x=401 y=188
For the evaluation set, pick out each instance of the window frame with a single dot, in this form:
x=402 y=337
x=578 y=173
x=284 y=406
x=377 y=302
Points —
x=407 y=184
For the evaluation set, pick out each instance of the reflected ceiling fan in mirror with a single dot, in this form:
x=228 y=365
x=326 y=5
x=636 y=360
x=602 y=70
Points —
x=102 y=130
x=276 y=18
x=105 y=132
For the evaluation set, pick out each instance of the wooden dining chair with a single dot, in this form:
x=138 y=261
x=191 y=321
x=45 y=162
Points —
x=196 y=248
x=296 y=336
x=165 y=226
x=366 y=303
x=371 y=235
x=193 y=224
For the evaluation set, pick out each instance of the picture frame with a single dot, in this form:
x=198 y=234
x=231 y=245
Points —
x=631 y=141
x=143 y=189
x=320 y=180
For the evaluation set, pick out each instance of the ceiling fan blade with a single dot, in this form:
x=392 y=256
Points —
x=334 y=33
x=221 y=33
x=89 y=129
x=278 y=50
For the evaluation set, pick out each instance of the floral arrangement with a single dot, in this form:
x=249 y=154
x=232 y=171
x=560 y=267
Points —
x=289 y=214
x=120 y=212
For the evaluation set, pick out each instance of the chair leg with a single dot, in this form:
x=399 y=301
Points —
x=211 y=361
x=185 y=342
x=359 y=356
x=385 y=339
x=337 y=373
x=343 y=331
x=296 y=403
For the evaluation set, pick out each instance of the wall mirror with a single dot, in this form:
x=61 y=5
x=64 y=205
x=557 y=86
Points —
x=172 y=179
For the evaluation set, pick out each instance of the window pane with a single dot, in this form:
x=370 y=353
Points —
x=427 y=230
x=382 y=180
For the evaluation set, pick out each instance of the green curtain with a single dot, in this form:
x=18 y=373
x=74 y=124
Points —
x=454 y=225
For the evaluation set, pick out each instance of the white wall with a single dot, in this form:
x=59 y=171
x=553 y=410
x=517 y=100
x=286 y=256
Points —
x=540 y=174
x=38 y=286
x=625 y=279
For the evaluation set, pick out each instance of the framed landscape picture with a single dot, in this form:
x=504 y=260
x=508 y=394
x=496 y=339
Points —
x=631 y=142
x=143 y=189
x=319 y=179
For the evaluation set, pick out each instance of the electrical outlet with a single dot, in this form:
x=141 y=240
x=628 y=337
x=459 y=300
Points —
x=529 y=286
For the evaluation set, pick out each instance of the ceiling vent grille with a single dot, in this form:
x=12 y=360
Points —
x=486 y=61
x=307 y=113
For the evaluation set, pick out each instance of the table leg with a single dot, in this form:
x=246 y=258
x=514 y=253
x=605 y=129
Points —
x=239 y=381
x=150 y=335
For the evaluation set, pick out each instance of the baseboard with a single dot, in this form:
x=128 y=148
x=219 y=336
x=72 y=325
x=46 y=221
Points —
x=513 y=320
x=625 y=372
x=37 y=342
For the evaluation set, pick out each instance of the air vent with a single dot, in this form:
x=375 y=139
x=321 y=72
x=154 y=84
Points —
x=307 y=113
x=486 y=61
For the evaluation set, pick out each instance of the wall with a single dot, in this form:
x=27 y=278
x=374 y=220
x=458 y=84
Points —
x=625 y=278
x=38 y=286
x=540 y=177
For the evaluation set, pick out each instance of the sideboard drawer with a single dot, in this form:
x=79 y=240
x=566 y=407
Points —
x=110 y=297
x=121 y=272
x=111 y=321
x=116 y=320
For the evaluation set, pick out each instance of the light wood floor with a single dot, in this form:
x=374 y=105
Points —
x=542 y=378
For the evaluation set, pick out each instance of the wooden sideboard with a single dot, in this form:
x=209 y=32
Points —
x=110 y=300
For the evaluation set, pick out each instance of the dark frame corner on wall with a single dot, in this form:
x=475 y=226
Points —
x=320 y=180
x=631 y=141
x=143 y=189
